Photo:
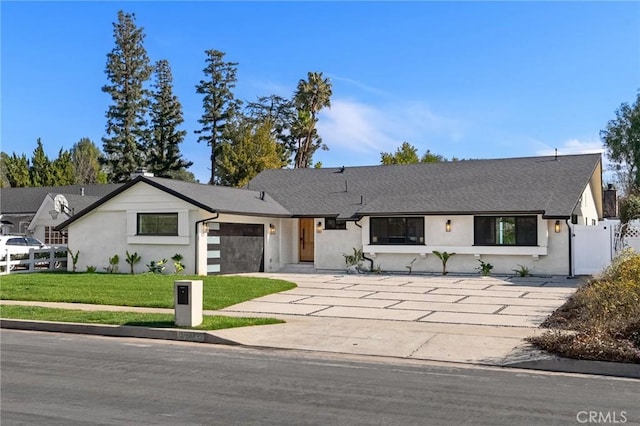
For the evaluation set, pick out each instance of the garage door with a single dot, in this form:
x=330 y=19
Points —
x=235 y=247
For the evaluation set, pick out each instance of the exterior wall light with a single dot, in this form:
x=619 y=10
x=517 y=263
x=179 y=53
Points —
x=272 y=228
x=319 y=227
x=447 y=226
x=557 y=226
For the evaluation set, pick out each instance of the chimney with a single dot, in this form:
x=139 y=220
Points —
x=610 y=202
x=82 y=191
x=141 y=172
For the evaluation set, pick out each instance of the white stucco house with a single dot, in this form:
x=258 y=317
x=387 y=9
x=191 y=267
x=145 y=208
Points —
x=507 y=212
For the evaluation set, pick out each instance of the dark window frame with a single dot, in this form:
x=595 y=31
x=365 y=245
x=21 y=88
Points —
x=487 y=230
x=332 y=223
x=409 y=231
x=156 y=232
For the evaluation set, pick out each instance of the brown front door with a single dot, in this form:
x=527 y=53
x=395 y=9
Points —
x=306 y=237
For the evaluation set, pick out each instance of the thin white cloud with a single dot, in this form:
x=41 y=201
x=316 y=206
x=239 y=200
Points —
x=354 y=127
x=573 y=146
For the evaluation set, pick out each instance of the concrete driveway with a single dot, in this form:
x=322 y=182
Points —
x=463 y=319
x=510 y=302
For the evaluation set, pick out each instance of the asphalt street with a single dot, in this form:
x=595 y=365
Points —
x=55 y=379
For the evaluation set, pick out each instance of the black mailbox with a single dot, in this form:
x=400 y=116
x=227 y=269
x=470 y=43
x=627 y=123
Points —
x=183 y=295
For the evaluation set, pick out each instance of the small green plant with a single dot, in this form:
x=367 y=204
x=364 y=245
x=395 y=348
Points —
x=484 y=268
x=157 y=266
x=355 y=258
x=132 y=259
x=410 y=265
x=177 y=263
x=91 y=269
x=522 y=271
x=377 y=269
x=113 y=264
x=74 y=259
x=444 y=257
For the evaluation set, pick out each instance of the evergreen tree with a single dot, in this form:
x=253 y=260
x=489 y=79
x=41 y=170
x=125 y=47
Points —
x=41 y=171
x=251 y=149
x=127 y=70
x=17 y=170
x=163 y=154
x=219 y=103
x=310 y=97
x=86 y=157
x=4 y=180
x=63 y=172
x=408 y=154
x=621 y=138
x=282 y=114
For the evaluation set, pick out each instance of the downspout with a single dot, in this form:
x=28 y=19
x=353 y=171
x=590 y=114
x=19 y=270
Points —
x=198 y=222
x=363 y=255
x=570 y=248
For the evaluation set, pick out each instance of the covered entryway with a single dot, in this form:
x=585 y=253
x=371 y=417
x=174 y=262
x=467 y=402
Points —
x=235 y=248
x=306 y=236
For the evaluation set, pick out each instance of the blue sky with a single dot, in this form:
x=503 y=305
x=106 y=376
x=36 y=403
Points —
x=464 y=79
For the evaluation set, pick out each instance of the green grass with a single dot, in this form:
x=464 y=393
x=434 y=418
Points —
x=125 y=318
x=144 y=290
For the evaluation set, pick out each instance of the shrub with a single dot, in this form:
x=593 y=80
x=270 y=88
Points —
x=605 y=314
x=484 y=268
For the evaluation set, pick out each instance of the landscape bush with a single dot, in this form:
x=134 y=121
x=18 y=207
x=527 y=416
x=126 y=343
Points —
x=601 y=321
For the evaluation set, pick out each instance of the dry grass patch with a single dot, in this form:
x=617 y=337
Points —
x=601 y=321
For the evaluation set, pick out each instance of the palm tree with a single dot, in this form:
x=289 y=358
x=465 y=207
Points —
x=310 y=97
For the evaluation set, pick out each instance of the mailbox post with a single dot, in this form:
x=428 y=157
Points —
x=188 y=302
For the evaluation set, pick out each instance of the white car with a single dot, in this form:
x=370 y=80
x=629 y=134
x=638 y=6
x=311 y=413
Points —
x=18 y=246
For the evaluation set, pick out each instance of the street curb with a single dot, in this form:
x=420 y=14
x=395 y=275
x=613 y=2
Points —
x=182 y=335
x=524 y=358
x=581 y=366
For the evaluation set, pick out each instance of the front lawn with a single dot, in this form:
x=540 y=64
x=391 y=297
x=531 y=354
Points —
x=144 y=290
x=37 y=313
x=601 y=321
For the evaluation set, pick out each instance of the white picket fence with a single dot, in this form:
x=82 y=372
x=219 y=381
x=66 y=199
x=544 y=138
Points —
x=38 y=260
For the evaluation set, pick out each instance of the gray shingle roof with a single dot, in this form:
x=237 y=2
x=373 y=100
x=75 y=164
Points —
x=28 y=200
x=548 y=185
x=218 y=199
x=222 y=199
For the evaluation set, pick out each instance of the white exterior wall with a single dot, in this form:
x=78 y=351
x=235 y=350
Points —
x=586 y=210
x=111 y=229
x=551 y=256
x=331 y=244
x=288 y=237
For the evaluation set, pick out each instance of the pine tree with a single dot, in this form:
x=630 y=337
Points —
x=219 y=103
x=127 y=70
x=86 y=157
x=282 y=114
x=163 y=153
x=250 y=150
x=62 y=167
x=41 y=171
x=17 y=170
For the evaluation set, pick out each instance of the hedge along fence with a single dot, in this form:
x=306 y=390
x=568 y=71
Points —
x=48 y=259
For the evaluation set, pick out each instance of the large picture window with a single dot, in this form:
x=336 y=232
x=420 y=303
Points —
x=505 y=230
x=397 y=230
x=165 y=224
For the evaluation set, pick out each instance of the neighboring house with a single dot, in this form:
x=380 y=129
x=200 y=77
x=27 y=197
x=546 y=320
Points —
x=26 y=211
x=507 y=212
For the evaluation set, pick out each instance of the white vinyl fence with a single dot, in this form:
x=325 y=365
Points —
x=49 y=259
x=595 y=246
